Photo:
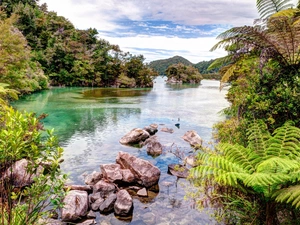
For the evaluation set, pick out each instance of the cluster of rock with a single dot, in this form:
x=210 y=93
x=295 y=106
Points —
x=106 y=190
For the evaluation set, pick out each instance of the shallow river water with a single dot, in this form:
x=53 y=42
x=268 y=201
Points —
x=89 y=123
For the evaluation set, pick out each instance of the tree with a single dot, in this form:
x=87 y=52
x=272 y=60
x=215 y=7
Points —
x=260 y=170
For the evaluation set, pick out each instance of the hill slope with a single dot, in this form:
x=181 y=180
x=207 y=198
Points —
x=161 y=65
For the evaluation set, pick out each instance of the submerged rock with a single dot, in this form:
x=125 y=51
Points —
x=145 y=173
x=193 y=138
x=167 y=130
x=154 y=147
x=178 y=170
x=135 y=136
x=151 y=129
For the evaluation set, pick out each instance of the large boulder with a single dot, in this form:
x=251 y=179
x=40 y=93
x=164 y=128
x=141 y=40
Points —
x=127 y=176
x=111 y=172
x=135 y=136
x=21 y=173
x=193 y=138
x=105 y=188
x=123 y=203
x=145 y=173
x=75 y=206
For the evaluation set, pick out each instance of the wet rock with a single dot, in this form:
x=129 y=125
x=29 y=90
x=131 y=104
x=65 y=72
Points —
x=19 y=175
x=135 y=136
x=142 y=193
x=93 y=178
x=96 y=204
x=111 y=172
x=91 y=215
x=128 y=176
x=178 y=170
x=87 y=222
x=167 y=130
x=145 y=173
x=193 y=138
x=104 y=188
x=190 y=160
x=75 y=206
x=108 y=205
x=93 y=197
x=87 y=188
x=151 y=129
x=154 y=147
x=123 y=204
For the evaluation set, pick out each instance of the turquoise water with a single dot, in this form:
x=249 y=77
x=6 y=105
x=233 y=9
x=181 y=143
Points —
x=89 y=123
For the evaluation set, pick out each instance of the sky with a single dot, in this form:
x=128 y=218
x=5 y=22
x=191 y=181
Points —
x=159 y=29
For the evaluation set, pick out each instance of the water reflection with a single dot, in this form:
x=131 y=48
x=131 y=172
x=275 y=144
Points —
x=90 y=122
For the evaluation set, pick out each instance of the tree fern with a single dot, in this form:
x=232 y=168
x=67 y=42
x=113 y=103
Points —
x=268 y=7
x=289 y=195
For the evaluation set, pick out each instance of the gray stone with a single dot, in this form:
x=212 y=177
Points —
x=93 y=178
x=19 y=174
x=91 y=215
x=135 y=136
x=145 y=173
x=142 y=193
x=75 y=206
x=151 y=129
x=93 y=197
x=167 y=130
x=178 y=170
x=96 y=204
x=123 y=204
x=108 y=205
x=128 y=176
x=193 y=138
x=87 y=188
x=154 y=147
x=111 y=172
x=104 y=188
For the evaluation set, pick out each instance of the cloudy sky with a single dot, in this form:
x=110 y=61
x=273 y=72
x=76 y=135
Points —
x=159 y=29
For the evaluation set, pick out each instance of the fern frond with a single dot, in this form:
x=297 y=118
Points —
x=285 y=142
x=237 y=153
x=268 y=7
x=258 y=135
x=277 y=165
x=265 y=180
x=289 y=195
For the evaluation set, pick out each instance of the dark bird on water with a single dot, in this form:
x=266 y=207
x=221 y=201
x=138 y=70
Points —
x=177 y=124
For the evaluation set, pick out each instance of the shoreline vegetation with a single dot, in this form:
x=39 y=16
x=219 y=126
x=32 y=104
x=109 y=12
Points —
x=252 y=174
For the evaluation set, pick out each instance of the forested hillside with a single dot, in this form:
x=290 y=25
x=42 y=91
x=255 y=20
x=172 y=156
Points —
x=161 y=66
x=43 y=48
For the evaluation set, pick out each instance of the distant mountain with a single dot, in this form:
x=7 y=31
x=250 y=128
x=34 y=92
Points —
x=161 y=65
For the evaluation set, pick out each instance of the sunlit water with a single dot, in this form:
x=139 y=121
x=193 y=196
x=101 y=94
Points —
x=90 y=122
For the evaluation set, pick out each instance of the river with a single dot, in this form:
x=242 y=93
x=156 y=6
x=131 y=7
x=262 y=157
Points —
x=89 y=123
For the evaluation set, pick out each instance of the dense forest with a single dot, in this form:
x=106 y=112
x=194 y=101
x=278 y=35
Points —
x=44 y=48
x=252 y=174
x=162 y=65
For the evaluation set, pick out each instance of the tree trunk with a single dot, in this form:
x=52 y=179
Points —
x=271 y=216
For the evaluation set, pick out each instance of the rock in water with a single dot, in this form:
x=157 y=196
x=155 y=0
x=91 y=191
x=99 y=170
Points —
x=135 y=136
x=193 y=138
x=75 y=206
x=123 y=204
x=145 y=173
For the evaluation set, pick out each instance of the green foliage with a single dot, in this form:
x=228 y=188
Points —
x=21 y=138
x=262 y=169
x=266 y=8
x=185 y=74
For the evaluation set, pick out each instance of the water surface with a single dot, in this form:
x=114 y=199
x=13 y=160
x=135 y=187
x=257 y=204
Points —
x=89 y=123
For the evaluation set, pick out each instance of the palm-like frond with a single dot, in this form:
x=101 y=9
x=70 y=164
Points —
x=268 y=7
x=289 y=195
